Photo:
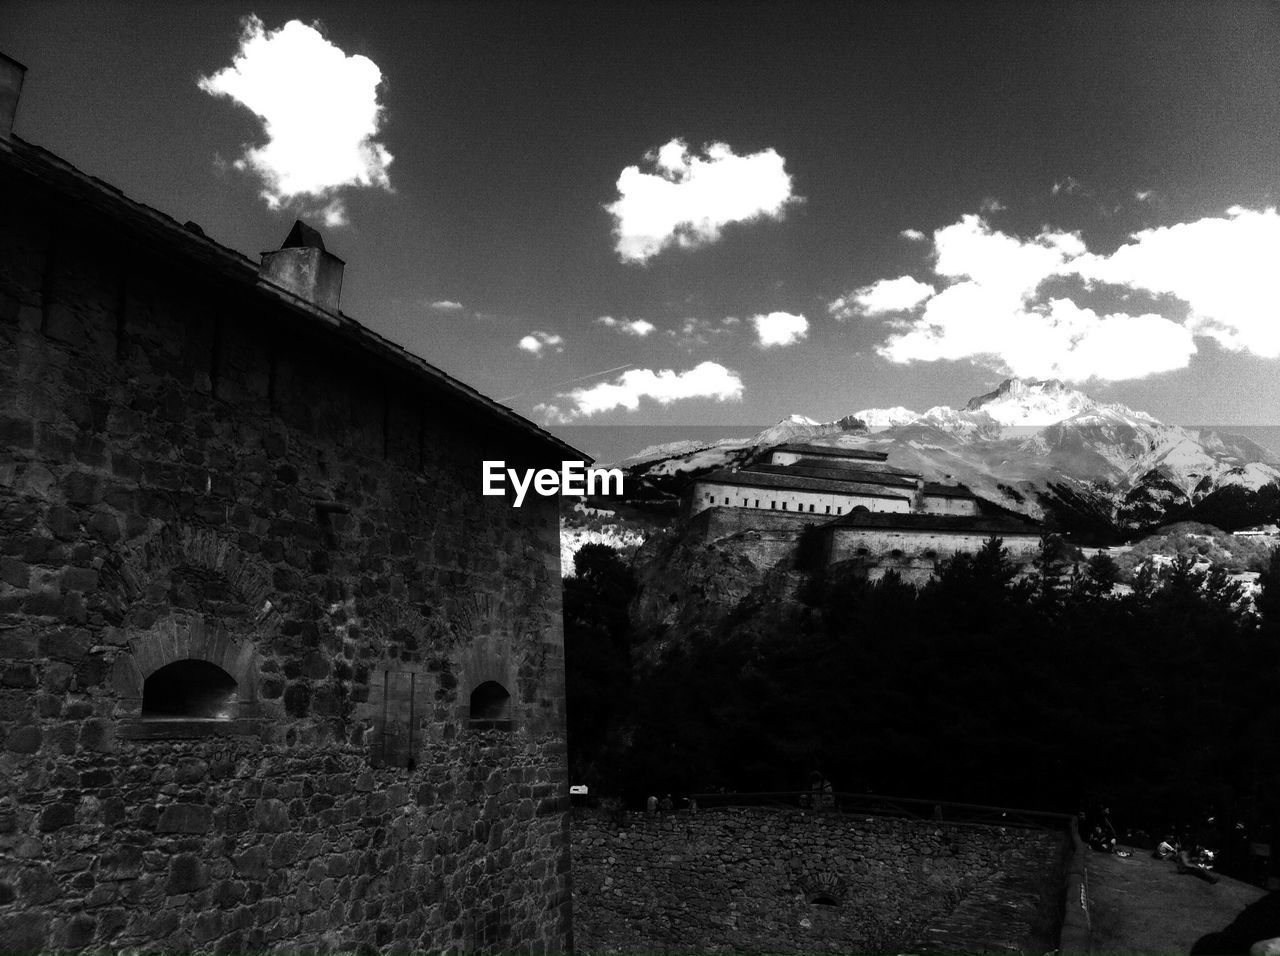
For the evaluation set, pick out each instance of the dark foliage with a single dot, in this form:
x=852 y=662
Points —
x=597 y=642
x=1038 y=692
x=1234 y=507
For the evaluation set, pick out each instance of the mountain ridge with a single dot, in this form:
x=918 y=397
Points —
x=1032 y=446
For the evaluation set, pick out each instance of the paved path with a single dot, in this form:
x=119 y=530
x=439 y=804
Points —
x=1141 y=905
x=1000 y=916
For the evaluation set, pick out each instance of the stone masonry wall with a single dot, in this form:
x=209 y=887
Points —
x=764 y=880
x=191 y=469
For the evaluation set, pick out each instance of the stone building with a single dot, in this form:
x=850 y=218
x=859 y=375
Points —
x=275 y=675
x=868 y=513
x=828 y=480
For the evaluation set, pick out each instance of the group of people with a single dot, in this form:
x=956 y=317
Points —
x=667 y=804
x=1192 y=853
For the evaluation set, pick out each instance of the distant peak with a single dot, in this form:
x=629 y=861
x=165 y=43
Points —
x=1015 y=388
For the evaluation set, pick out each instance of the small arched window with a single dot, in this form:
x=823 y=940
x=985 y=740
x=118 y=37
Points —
x=490 y=707
x=824 y=899
x=189 y=689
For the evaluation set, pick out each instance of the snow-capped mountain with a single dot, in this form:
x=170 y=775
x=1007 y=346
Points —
x=886 y=417
x=1034 y=404
x=798 y=426
x=1029 y=446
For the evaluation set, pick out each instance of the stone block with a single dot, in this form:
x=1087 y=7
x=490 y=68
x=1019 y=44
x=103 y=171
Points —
x=24 y=932
x=271 y=816
x=23 y=740
x=187 y=874
x=252 y=863
x=184 y=818
x=14 y=572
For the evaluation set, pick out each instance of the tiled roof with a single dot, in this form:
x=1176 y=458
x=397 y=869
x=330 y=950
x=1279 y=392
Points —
x=865 y=475
x=998 y=525
x=937 y=489
x=750 y=478
x=890 y=477
x=831 y=451
x=33 y=167
x=852 y=464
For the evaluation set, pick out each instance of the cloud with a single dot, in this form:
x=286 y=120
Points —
x=1223 y=268
x=1057 y=339
x=992 y=310
x=881 y=297
x=535 y=342
x=1071 y=187
x=913 y=235
x=637 y=327
x=685 y=199
x=445 y=305
x=320 y=114
x=991 y=204
x=707 y=380
x=695 y=332
x=780 y=328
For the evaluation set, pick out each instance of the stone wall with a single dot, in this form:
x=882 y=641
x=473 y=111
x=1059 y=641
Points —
x=766 y=539
x=195 y=468
x=764 y=880
x=849 y=543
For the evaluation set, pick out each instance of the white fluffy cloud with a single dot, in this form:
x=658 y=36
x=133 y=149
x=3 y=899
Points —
x=707 y=380
x=1057 y=339
x=535 y=342
x=1226 y=269
x=780 y=328
x=992 y=309
x=883 y=297
x=319 y=110
x=445 y=305
x=637 y=327
x=685 y=199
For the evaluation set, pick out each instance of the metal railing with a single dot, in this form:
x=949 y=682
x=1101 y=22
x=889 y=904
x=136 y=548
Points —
x=870 y=804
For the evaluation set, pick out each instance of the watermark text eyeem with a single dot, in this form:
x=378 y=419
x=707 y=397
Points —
x=573 y=478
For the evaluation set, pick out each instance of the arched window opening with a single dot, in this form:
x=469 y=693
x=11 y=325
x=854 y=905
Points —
x=189 y=690
x=860 y=509
x=490 y=707
x=824 y=899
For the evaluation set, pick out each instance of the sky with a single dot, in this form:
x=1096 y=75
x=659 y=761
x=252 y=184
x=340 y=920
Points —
x=723 y=213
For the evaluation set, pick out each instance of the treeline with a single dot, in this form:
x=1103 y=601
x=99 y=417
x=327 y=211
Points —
x=1044 y=691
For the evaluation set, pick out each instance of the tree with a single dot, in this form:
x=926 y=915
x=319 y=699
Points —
x=597 y=644
x=1101 y=574
x=1268 y=600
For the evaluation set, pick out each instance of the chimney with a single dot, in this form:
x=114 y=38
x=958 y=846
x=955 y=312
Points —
x=303 y=267
x=11 y=74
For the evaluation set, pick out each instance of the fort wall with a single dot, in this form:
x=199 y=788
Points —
x=847 y=543
x=194 y=471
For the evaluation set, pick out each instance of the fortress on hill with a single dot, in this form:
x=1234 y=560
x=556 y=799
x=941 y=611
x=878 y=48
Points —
x=864 y=508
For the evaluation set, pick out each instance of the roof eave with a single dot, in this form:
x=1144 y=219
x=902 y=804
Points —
x=63 y=177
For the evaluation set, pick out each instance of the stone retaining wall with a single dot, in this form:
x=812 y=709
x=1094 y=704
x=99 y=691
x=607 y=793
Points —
x=773 y=880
